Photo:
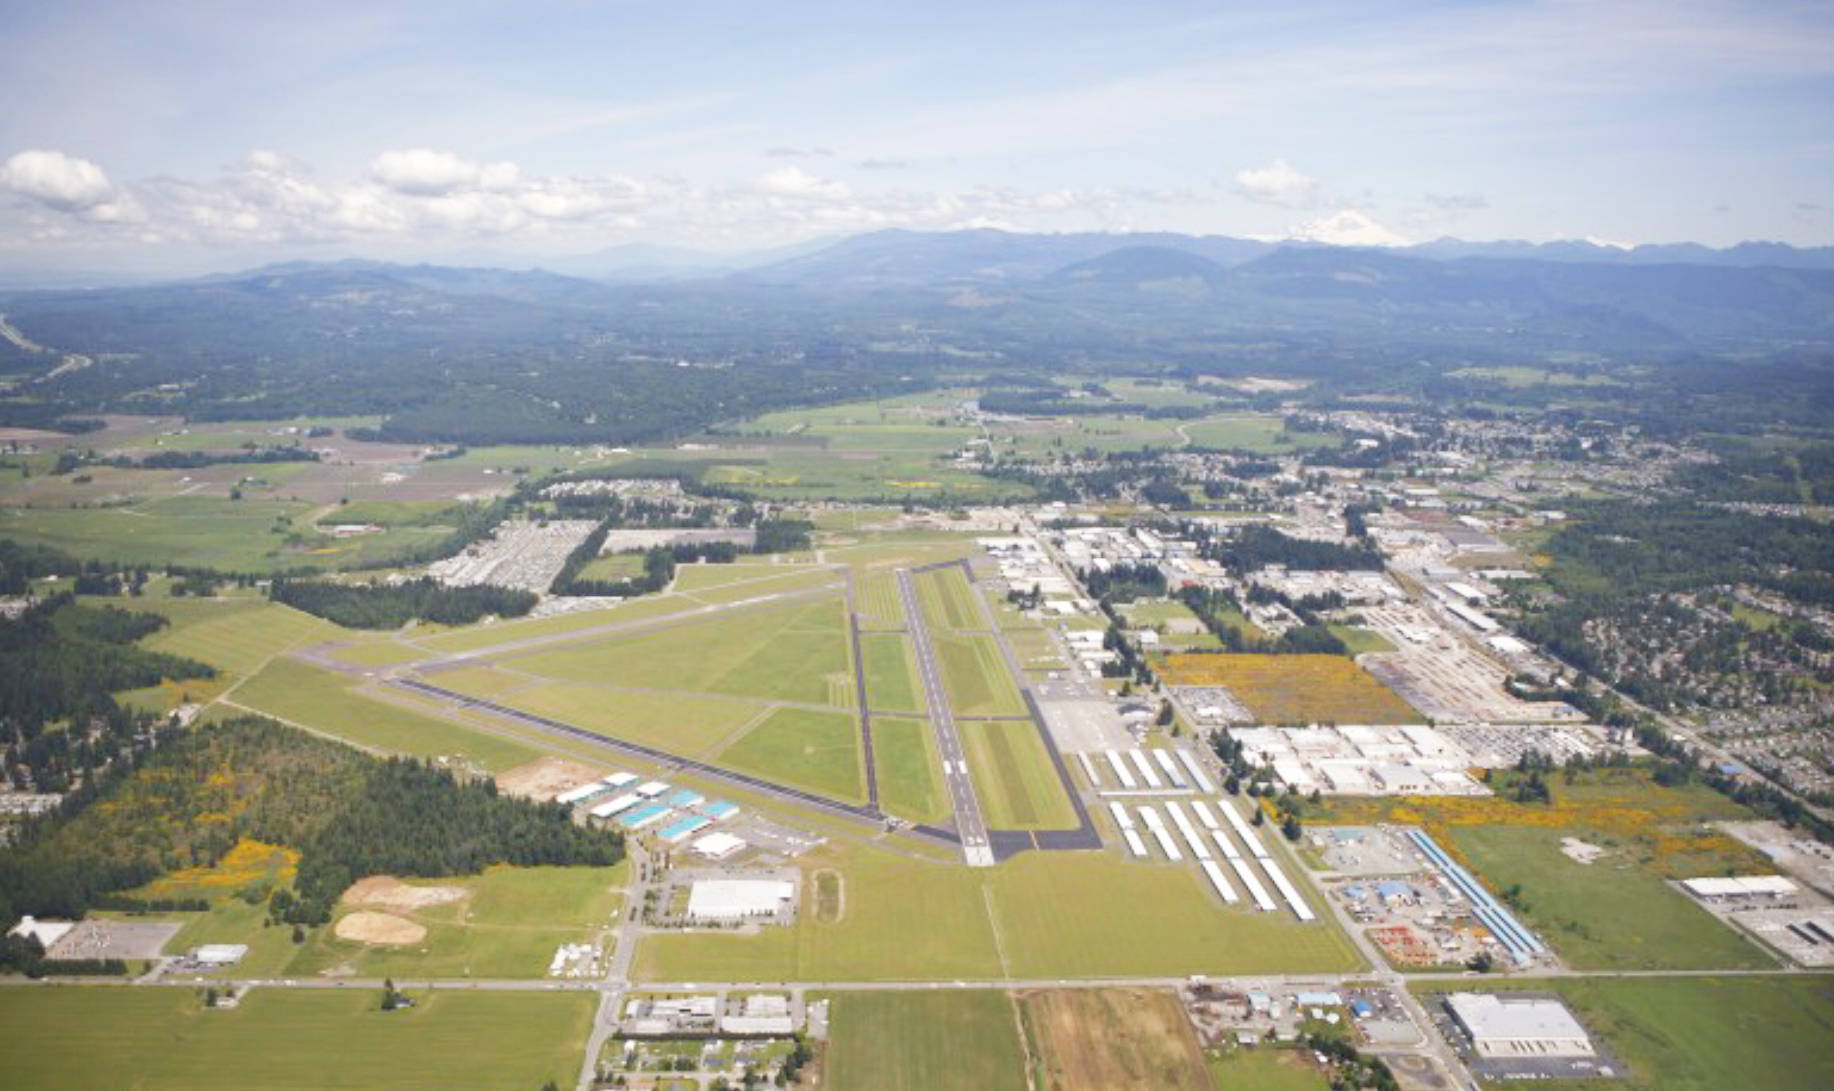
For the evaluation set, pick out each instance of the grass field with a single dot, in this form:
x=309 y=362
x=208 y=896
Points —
x=976 y=677
x=378 y=653
x=492 y=634
x=1096 y=915
x=1705 y=1033
x=890 y=682
x=1361 y=640
x=948 y=600
x=116 y=1037
x=806 y=748
x=1013 y=776
x=613 y=566
x=681 y=723
x=1615 y=913
x=788 y=653
x=784 y=579
x=1295 y=689
x=507 y=927
x=234 y=635
x=1112 y=1040
x=288 y=689
x=905 y=757
x=913 y=1041
x=1267 y=1070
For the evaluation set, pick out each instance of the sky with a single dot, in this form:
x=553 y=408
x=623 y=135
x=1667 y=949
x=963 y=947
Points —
x=191 y=135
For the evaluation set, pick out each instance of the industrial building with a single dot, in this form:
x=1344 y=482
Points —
x=1517 y=1027
x=737 y=899
x=1746 y=889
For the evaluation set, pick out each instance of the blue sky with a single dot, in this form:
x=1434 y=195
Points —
x=221 y=133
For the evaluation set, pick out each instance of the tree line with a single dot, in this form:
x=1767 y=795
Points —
x=379 y=605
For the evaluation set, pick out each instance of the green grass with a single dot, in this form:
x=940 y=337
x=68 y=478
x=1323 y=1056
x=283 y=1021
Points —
x=1267 y=1069
x=613 y=566
x=117 y=1037
x=290 y=690
x=1013 y=776
x=975 y=674
x=1096 y=915
x=508 y=928
x=903 y=919
x=1613 y=914
x=1261 y=433
x=685 y=724
x=914 y=1041
x=234 y=635
x=1361 y=640
x=479 y=637
x=790 y=653
x=905 y=757
x=1705 y=1033
x=891 y=685
x=393 y=513
x=948 y=600
x=819 y=751
x=378 y=653
x=702 y=577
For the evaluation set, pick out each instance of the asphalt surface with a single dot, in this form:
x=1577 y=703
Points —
x=970 y=826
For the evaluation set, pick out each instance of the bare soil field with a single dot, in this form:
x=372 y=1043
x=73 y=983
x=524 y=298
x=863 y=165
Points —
x=545 y=778
x=388 y=892
x=1112 y=1040
x=379 y=928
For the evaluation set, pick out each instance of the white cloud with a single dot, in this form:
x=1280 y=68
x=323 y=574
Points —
x=1277 y=183
x=61 y=181
x=796 y=182
x=1347 y=227
x=424 y=172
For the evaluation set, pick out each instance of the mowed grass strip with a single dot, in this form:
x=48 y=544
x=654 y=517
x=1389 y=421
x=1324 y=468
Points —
x=891 y=684
x=920 y=1041
x=786 y=653
x=819 y=751
x=975 y=675
x=683 y=724
x=1700 y=1033
x=233 y=635
x=877 y=600
x=290 y=1039
x=948 y=600
x=1112 y=1040
x=492 y=634
x=905 y=757
x=1295 y=689
x=1079 y=914
x=1013 y=776
x=288 y=689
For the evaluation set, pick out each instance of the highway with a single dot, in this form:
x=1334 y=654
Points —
x=970 y=826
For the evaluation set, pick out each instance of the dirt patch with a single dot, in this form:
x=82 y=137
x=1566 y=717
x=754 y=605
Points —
x=379 y=928
x=1582 y=852
x=545 y=778
x=1113 y=1040
x=388 y=892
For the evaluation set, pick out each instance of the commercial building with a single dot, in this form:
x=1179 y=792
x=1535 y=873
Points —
x=1740 y=888
x=1516 y=1027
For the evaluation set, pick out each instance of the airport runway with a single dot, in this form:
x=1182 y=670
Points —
x=970 y=826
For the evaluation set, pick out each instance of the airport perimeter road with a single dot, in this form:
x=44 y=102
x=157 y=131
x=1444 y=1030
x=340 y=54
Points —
x=968 y=820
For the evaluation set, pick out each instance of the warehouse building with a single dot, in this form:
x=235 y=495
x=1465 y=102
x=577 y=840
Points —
x=738 y=899
x=1518 y=1027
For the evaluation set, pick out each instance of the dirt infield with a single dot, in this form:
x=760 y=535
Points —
x=545 y=778
x=388 y=892
x=1113 y=1040
x=379 y=928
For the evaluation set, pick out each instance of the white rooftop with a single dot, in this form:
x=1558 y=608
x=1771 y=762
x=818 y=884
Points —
x=45 y=932
x=730 y=899
x=716 y=845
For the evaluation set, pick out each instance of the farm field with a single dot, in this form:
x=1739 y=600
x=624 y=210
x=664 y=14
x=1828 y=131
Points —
x=1112 y=1040
x=976 y=677
x=111 y=1036
x=292 y=691
x=914 y=1041
x=1295 y=689
x=906 y=760
x=1704 y=1033
x=806 y=748
x=1013 y=776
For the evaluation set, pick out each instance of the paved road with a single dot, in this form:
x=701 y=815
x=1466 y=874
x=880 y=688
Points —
x=969 y=823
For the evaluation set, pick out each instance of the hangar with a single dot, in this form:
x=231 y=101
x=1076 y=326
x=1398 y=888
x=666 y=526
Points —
x=1517 y=1027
